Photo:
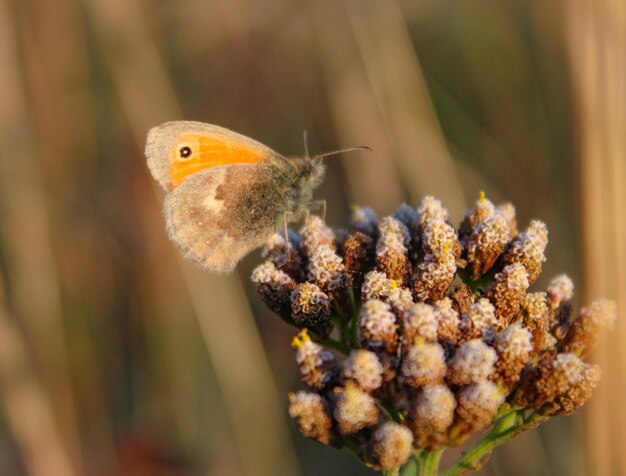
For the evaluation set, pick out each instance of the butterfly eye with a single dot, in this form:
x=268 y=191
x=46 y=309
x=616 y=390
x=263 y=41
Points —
x=184 y=152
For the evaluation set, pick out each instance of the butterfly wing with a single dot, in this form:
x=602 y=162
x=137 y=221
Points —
x=218 y=215
x=176 y=150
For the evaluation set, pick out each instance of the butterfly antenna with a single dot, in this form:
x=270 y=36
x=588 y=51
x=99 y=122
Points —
x=341 y=151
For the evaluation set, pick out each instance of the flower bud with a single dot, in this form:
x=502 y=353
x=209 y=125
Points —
x=310 y=411
x=365 y=220
x=479 y=322
x=406 y=215
x=560 y=290
x=558 y=385
x=358 y=255
x=392 y=258
x=514 y=348
x=377 y=285
x=391 y=445
x=431 y=209
x=431 y=415
x=318 y=366
x=315 y=232
x=485 y=245
x=482 y=210
x=378 y=327
x=507 y=211
x=274 y=287
x=587 y=328
x=477 y=406
x=473 y=362
x=390 y=228
x=310 y=306
x=507 y=291
x=536 y=318
x=439 y=238
x=419 y=320
x=354 y=409
x=326 y=270
x=560 y=293
x=284 y=254
x=528 y=249
x=448 y=321
x=434 y=277
x=364 y=369
x=424 y=363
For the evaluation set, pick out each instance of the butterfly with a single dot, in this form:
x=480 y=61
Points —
x=226 y=193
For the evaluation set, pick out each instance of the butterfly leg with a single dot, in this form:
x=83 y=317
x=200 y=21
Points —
x=285 y=229
x=306 y=145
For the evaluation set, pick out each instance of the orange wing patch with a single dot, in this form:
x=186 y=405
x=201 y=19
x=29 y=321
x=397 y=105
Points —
x=195 y=152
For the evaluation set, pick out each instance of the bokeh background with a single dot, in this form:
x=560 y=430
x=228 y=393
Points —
x=118 y=359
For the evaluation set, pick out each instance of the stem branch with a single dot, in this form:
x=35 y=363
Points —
x=504 y=430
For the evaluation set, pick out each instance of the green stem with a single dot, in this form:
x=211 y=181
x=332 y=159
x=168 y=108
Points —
x=392 y=472
x=335 y=344
x=354 y=323
x=429 y=462
x=410 y=469
x=354 y=337
x=390 y=411
x=344 y=327
x=504 y=430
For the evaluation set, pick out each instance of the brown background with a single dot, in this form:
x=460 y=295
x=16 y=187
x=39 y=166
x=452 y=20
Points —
x=116 y=358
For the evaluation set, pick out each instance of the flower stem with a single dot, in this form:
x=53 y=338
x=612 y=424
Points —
x=335 y=344
x=506 y=428
x=392 y=472
x=429 y=462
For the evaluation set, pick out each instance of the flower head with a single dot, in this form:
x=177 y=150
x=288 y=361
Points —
x=433 y=330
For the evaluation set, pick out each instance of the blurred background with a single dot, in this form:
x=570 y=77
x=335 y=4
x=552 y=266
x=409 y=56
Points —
x=117 y=358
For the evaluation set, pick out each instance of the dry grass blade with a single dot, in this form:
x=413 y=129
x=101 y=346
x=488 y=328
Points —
x=371 y=178
x=35 y=294
x=27 y=408
x=400 y=89
x=597 y=43
x=228 y=328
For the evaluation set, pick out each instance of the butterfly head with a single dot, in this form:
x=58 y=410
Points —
x=308 y=175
